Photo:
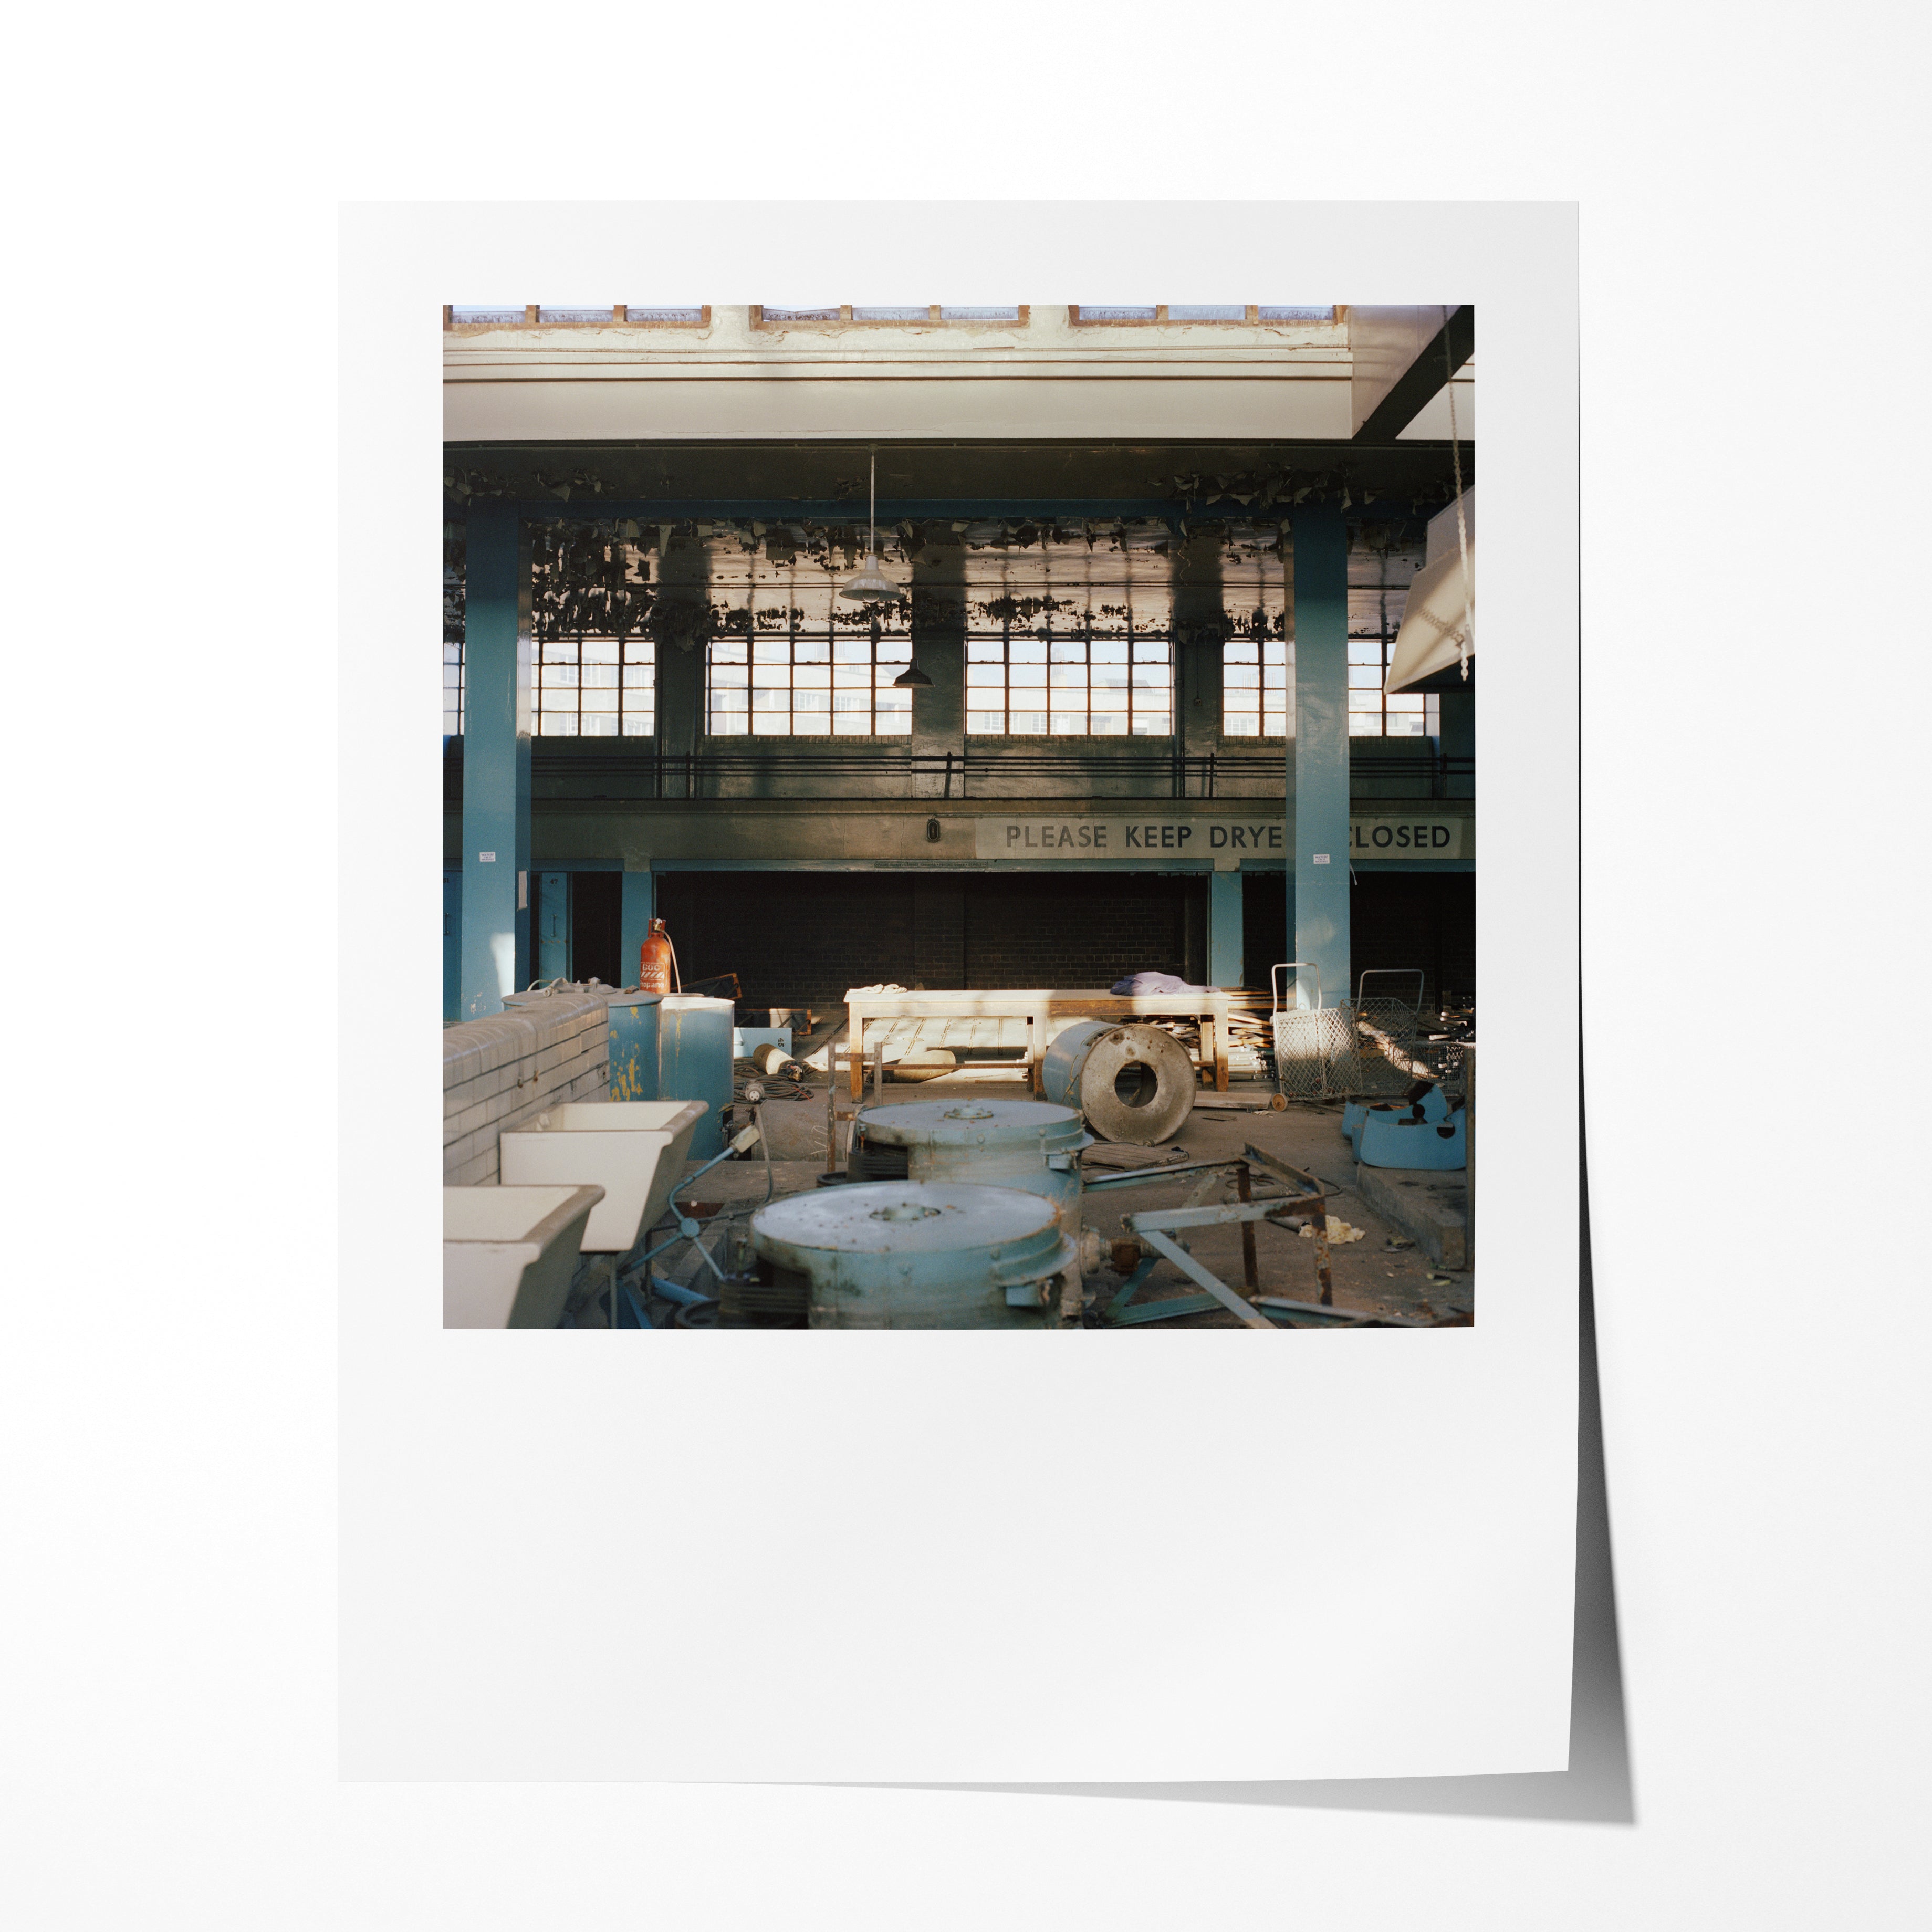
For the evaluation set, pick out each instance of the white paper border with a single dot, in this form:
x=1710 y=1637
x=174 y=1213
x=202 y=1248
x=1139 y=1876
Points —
x=947 y=1556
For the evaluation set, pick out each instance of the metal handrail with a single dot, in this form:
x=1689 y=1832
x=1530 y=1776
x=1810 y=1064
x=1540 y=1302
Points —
x=693 y=775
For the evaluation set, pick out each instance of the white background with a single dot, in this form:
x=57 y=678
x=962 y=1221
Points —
x=169 y=1400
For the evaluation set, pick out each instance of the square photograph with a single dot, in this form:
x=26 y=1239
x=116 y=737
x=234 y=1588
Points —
x=959 y=816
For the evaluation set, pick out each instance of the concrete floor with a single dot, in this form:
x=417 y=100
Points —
x=1368 y=1274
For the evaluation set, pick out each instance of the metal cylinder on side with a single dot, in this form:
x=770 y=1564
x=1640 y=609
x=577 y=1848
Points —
x=1134 y=1083
x=634 y=1046
x=919 y=1254
x=694 y=1062
x=1023 y=1144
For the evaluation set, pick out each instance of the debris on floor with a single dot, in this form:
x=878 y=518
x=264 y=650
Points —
x=1339 y=1232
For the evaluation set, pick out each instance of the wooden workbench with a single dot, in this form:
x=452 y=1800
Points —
x=1209 y=1005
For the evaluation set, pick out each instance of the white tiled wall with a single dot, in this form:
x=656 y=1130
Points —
x=498 y=1073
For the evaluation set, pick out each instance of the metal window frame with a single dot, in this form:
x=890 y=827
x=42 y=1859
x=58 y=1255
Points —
x=933 y=318
x=1163 y=634
x=1260 y=644
x=636 y=640
x=830 y=633
x=1161 y=318
x=533 y=317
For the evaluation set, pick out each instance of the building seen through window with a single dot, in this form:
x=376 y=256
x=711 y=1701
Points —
x=815 y=681
x=594 y=687
x=1020 y=686
x=1410 y=715
x=1254 y=687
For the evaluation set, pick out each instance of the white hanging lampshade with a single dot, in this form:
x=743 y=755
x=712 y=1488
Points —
x=1438 y=623
x=871 y=585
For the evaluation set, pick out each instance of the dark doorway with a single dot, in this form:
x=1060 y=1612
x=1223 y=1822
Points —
x=596 y=929
x=1399 y=920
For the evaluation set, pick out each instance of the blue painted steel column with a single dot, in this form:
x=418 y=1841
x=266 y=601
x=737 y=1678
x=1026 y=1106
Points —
x=636 y=905
x=496 y=761
x=1224 y=929
x=553 y=916
x=526 y=919
x=452 y=942
x=1318 y=821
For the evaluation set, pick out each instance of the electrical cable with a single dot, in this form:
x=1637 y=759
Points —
x=1462 y=524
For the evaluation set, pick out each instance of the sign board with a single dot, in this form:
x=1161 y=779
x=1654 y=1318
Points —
x=1168 y=835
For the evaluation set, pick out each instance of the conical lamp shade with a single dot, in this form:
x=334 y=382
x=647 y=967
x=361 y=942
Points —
x=869 y=586
x=912 y=678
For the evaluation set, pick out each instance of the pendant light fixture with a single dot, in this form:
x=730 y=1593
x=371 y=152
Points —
x=912 y=678
x=871 y=585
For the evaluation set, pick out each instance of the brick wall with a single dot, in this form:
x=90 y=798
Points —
x=803 y=938
x=1402 y=920
x=498 y=1073
x=793 y=938
x=939 y=931
x=1077 y=929
x=1411 y=919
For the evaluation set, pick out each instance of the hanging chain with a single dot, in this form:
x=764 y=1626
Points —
x=1462 y=521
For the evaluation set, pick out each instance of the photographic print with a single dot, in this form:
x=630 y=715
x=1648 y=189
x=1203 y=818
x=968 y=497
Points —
x=897 y=876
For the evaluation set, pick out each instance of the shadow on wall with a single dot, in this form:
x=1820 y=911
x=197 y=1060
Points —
x=803 y=938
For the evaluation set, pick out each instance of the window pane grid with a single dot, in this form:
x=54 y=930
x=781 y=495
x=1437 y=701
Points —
x=1254 y=687
x=1075 y=686
x=808 y=684
x=593 y=687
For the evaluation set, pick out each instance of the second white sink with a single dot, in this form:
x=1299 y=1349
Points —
x=634 y=1150
x=509 y=1253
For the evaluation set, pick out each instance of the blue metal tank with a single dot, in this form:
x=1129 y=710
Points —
x=902 y=1254
x=1024 y=1144
x=634 y=1046
x=694 y=1062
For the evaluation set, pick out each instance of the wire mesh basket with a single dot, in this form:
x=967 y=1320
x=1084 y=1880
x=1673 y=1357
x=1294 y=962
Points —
x=1386 y=1060
x=1313 y=1052
x=1387 y=1029
x=1443 y=1060
x=1370 y=1046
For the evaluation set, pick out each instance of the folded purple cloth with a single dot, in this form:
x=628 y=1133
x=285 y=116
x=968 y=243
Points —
x=1156 y=982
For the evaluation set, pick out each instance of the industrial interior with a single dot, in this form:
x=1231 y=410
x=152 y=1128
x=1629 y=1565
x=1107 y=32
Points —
x=959 y=818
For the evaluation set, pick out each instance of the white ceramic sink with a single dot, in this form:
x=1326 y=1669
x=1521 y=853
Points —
x=509 y=1253
x=634 y=1150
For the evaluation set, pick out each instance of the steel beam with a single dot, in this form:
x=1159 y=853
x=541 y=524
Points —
x=495 y=951
x=1225 y=935
x=1318 y=778
x=1447 y=349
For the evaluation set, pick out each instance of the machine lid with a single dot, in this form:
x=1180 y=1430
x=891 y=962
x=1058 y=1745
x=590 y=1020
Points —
x=906 y=1217
x=980 y=1124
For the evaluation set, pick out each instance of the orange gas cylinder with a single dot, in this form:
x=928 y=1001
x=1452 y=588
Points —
x=654 y=958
